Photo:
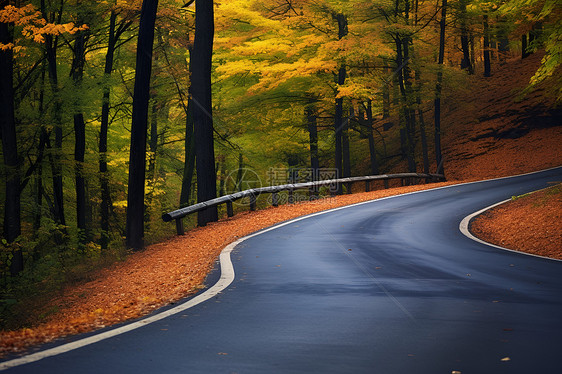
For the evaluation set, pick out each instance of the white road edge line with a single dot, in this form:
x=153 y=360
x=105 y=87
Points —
x=227 y=277
x=465 y=224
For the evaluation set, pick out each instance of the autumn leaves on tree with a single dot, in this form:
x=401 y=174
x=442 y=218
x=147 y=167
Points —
x=113 y=112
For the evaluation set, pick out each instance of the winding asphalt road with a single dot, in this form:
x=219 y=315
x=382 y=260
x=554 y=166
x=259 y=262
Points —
x=389 y=286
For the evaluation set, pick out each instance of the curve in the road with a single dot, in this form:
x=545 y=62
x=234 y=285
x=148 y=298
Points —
x=227 y=277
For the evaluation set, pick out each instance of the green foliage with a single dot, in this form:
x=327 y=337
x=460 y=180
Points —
x=546 y=14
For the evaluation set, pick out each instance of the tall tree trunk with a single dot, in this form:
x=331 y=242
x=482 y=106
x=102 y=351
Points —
x=189 y=147
x=341 y=19
x=105 y=205
x=79 y=152
x=203 y=109
x=405 y=88
x=240 y=173
x=222 y=168
x=465 y=62
x=152 y=168
x=386 y=91
x=313 y=140
x=487 y=68
x=372 y=149
x=38 y=189
x=338 y=127
x=189 y=164
x=59 y=215
x=423 y=134
x=12 y=207
x=524 y=47
x=77 y=73
x=438 y=88
x=137 y=159
x=56 y=165
x=346 y=160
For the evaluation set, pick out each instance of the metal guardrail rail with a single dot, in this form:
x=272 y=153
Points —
x=253 y=193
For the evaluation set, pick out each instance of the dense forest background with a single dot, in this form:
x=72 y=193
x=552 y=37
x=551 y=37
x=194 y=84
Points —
x=295 y=86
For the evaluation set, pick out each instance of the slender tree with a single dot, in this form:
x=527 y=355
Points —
x=438 y=87
x=12 y=207
x=137 y=158
x=343 y=30
x=116 y=30
x=313 y=139
x=51 y=48
x=77 y=74
x=370 y=137
x=202 y=108
x=486 y=46
x=466 y=62
x=189 y=147
x=105 y=204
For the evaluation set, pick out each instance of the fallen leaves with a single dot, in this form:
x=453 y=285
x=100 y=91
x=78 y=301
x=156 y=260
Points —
x=532 y=224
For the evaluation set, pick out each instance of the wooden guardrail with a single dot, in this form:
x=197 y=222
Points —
x=253 y=193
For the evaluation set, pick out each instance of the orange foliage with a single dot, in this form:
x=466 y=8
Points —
x=34 y=26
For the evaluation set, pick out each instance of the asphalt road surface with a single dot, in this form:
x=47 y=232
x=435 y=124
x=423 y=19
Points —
x=389 y=286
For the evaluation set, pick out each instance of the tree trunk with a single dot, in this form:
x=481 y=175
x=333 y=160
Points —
x=313 y=140
x=189 y=164
x=372 y=149
x=12 y=207
x=240 y=173
x=105 y=205
x=222 y=168
x=346 y=161
x=405 y=88
x=202 y=108
x=438 y=87
x=50 y=45
x=153 y=147
x=487 y=68
x=77 y=73
x=38 y=188
x=137 y=159
x=338 y=121
x=338 y=125
x=189 y=148
x=465 y=62
x=423 y=134
x=79 y=151
x=56 y=166
x=386 y=92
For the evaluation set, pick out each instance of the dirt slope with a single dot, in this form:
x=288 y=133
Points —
x=492 y=131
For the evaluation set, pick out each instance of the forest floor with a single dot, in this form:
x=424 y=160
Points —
x=530 y=223
x=488 y=133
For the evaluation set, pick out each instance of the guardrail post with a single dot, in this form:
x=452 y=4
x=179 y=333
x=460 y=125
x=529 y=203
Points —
x=367 y=186
x=275 y=199
x=229 y=209
x=252 y=202
x=348 y=187
x=179 y=226
x=291 y=197
x=386 y=184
